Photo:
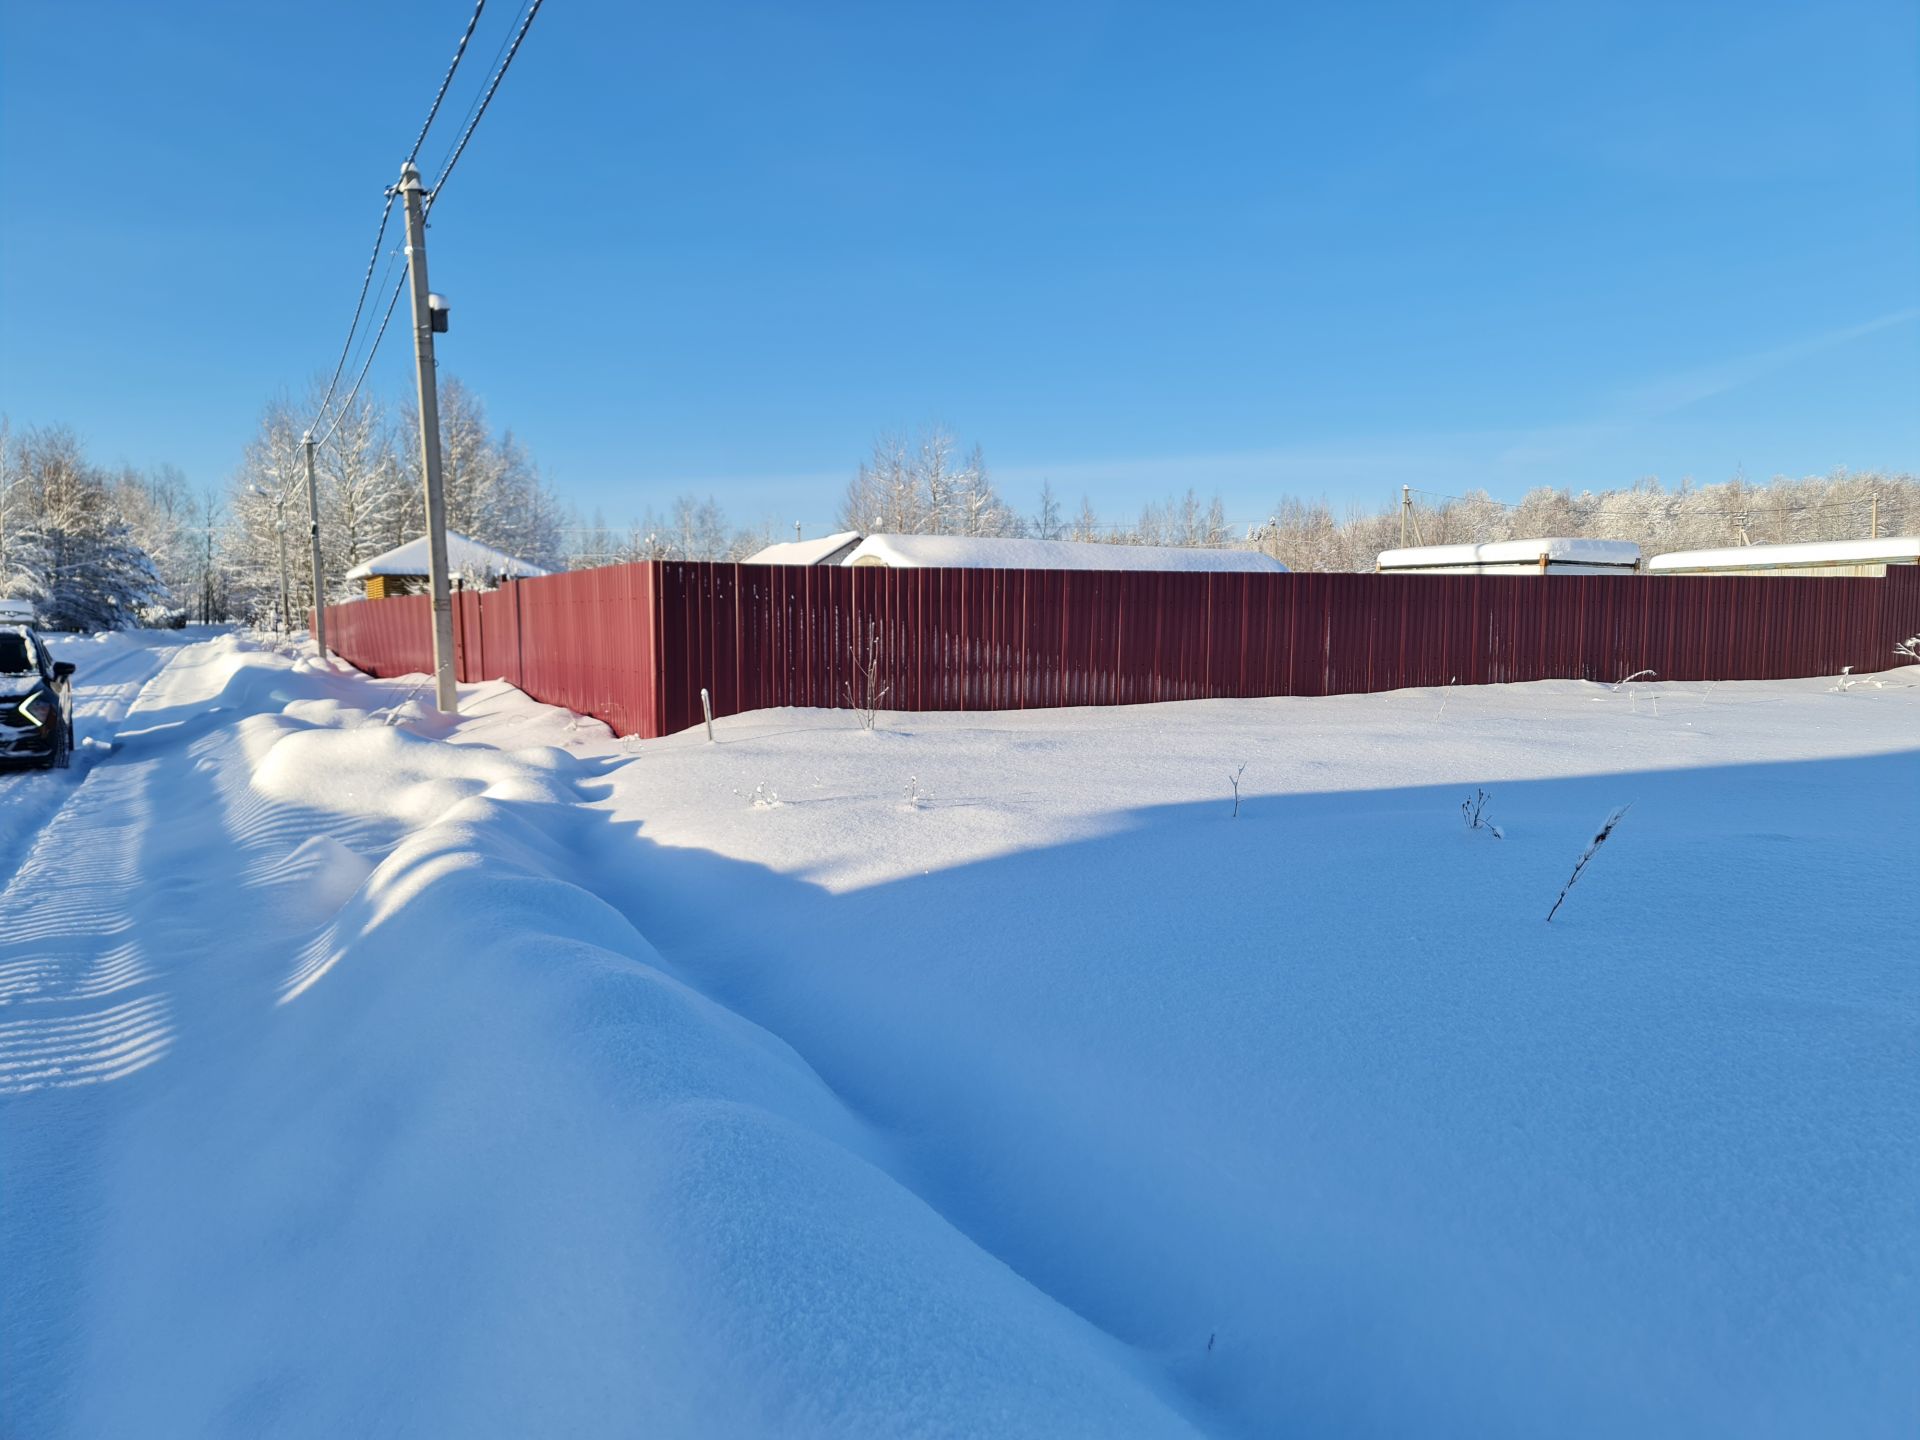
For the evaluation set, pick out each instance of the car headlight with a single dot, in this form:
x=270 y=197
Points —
x=36 y=707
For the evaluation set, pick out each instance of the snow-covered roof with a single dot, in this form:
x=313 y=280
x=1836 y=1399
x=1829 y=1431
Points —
x=805 y=552
x=979 y=553
x=1894 y=550
x=466 y=558
x=1554 y=549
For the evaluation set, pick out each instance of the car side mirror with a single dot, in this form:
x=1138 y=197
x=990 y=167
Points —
x=63 y=669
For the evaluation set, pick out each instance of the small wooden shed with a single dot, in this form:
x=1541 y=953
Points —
x=403 y=569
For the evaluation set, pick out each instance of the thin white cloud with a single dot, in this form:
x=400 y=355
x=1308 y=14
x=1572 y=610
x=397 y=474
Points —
x=1675 y=392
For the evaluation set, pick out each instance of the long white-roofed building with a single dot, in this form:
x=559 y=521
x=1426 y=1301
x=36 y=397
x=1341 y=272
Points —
x=969 y=552
x=1811 y=557
x=1548 y=555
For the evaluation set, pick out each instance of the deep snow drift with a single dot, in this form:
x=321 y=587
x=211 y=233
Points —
x=981 y=1075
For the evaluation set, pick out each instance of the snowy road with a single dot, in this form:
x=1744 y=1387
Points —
x=112 y=670
x=981 y=1075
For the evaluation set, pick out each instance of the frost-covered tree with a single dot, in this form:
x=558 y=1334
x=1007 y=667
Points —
x=1658 y=518
x=367 y=475
x=917 y=487
x=360 y=480
x=268 y=490
x=68 y=548
x=1047 y=524
x=494 y=492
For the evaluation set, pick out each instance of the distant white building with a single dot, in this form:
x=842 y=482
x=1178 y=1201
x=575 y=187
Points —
x=927 y=552
x=1815 y=557
x=403 y=569
x=827 y=550
x=1550 y=555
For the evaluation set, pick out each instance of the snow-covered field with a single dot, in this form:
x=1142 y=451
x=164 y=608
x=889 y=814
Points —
x=984 y=1075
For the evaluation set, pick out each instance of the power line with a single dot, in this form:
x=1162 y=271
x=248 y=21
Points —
x=346 y=405
x=477 y=113
x=474 y=104
x=358 y=306
x=447 y=80
x=485 y=100
x=1463 y=499
x=386 y=213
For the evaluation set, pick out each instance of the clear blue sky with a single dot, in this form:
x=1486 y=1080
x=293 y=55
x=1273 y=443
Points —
x=1263 y=248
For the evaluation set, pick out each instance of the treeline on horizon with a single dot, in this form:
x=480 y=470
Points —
x=98 y=548
x=927 y=486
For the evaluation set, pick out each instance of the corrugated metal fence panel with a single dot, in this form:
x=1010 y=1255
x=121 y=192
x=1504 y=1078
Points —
x=584 y=639
x=384 y=637
x=635 y=644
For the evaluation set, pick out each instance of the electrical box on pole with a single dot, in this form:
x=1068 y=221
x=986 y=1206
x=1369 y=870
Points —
x=424 y=325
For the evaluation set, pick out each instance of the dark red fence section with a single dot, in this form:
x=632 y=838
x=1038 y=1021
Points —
x=635 y=644
x=383 y=637
x=586 y=639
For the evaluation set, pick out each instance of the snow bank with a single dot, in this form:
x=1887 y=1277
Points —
x=433 y=1141
x=932 y=551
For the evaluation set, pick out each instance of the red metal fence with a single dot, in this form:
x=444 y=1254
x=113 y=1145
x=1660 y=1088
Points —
x=635 y=644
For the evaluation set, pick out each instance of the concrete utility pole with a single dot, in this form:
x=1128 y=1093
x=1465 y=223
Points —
x=286 y=596
x=445 y=696
x=1876 y=515
x=313 y=538
x=1406 y=507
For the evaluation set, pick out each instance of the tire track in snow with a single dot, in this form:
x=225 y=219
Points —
x=62 y=944
x=149 y=926
x=104 y=691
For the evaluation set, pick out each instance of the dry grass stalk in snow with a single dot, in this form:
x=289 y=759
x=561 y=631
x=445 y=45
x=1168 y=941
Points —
x=864 y=690
x=1474 y=811
x=1593 y=848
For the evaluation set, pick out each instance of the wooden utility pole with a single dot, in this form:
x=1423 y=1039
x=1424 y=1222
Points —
x=1876 y=515
x=1406 y=507
x=313 y=539
x=446 y=697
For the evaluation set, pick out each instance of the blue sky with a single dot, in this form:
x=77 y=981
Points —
x=1262 y=249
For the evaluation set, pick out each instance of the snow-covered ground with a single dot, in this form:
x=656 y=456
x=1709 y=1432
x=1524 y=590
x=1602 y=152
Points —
x=983 y=1075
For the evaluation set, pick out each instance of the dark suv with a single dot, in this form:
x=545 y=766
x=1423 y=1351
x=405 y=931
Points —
x=36 y=701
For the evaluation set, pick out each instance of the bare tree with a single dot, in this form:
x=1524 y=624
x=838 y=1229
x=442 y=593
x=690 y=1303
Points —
x=864 y=688
x=917 y=487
